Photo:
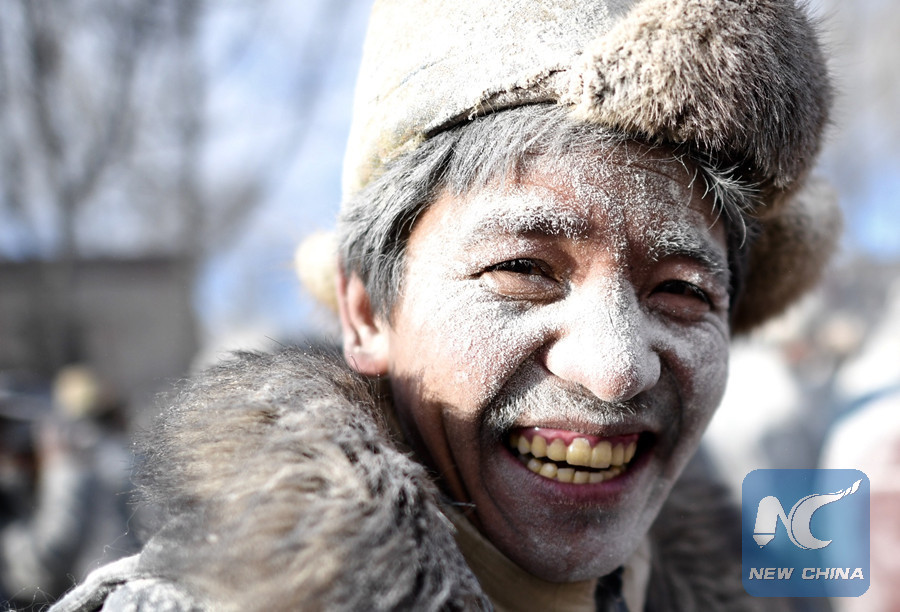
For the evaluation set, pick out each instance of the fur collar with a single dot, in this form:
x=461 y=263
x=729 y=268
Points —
x=280 y=488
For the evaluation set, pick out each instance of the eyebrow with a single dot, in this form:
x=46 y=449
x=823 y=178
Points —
x=530 y=220
x=672 y=243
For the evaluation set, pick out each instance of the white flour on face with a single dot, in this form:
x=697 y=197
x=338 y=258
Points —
x=566 y=298
x=616 y=202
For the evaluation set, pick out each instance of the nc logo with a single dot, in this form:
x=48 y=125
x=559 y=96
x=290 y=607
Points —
x=797 y=521
x=800 y=564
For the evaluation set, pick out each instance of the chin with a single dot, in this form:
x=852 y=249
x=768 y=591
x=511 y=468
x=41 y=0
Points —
x=572 y=557
x=598 y=567
x=567 y=532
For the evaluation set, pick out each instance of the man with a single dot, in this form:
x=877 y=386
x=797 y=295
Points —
x=556 y=215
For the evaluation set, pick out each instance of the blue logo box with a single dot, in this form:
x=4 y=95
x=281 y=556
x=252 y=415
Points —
x=805 y=533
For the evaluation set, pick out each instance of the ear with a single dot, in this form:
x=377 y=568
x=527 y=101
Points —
x=366 y=339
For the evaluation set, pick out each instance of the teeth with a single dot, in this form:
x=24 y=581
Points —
x=579 y=452
x=600 y=455
x=629 y=452
x=618 y=455
x=539 y=447
x=557 y=450
x=548 y=470
x=524 y=445
x=581 y=477
x=565 y=474
x=609 y=459
x=571 y=475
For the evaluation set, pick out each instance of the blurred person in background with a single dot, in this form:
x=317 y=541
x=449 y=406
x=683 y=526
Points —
x=65 y=479
x=866 y=436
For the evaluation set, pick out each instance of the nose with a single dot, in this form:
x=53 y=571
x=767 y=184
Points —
x=605 y=346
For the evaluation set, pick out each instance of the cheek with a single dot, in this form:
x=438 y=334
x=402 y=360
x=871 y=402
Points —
x=466 y=343
x=700 y=364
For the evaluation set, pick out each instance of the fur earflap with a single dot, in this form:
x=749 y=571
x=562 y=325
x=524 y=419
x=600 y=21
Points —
x=316 y=261
x=743 y=81
x=794 y=245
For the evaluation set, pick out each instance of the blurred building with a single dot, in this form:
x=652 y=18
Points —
x=130 y=321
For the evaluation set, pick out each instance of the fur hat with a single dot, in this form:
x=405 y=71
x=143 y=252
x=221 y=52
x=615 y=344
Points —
x=743 y=82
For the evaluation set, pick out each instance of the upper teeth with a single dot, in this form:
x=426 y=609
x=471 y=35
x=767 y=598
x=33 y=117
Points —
x=604 y=455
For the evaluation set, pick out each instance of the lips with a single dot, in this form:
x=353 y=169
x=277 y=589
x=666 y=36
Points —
x=569 y=457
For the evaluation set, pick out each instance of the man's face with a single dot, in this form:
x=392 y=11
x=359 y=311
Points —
x=558 y=347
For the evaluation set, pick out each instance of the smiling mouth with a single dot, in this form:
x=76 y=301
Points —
x=576 y=460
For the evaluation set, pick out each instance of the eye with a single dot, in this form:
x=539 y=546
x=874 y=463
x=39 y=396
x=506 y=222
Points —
x=681 y=300
x=519 y=266
x=683 y=288
x=527 y=279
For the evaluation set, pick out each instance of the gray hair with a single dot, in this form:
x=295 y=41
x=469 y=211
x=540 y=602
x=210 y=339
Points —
x=375 y=224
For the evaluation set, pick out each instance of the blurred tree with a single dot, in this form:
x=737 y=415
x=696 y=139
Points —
x=68 y=92
x=105 y=137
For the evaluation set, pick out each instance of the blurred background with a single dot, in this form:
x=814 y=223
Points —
x=160 y=160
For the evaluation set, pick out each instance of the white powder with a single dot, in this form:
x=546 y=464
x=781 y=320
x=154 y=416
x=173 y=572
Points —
x=612 y=217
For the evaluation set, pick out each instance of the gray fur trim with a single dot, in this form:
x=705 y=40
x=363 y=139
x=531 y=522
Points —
x=281 y=491
x=744 y=81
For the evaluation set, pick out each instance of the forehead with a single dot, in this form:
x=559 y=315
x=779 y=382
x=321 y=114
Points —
x=622 y=194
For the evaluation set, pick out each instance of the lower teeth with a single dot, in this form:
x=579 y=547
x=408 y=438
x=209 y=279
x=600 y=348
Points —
x=570 y=475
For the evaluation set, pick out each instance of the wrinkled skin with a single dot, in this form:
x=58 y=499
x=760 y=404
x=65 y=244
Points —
x=587 y=294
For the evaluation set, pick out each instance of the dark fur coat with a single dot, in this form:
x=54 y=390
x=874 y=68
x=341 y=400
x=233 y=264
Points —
x=280 y=488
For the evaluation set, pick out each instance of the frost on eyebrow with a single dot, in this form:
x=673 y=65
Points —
x=521 y=214
x=669 y=241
